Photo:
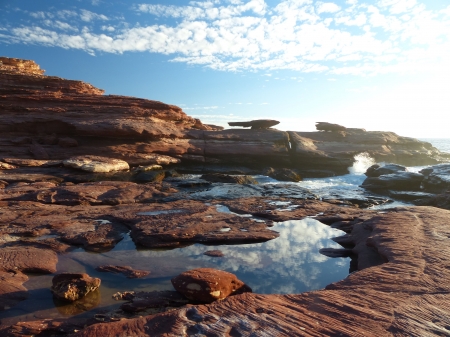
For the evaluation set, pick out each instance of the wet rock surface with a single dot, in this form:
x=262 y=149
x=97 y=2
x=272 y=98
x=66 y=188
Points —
x=400 y=181
x=206 y=285
x=71 y=287
x=437 y=178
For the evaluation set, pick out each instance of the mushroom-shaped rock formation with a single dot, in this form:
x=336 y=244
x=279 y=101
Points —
x=256 y=124
x=324 y=126
x=206 y=285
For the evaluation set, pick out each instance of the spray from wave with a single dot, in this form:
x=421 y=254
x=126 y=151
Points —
x=362 y=162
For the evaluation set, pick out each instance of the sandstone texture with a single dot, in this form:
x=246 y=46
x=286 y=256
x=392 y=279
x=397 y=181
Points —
x=72 y=287
x=96 y=164
x=206 y=285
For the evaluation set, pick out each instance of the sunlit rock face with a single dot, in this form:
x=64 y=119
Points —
x=50 y=118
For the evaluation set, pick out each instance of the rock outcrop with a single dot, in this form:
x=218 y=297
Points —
x=206 y=285
x=53 y=119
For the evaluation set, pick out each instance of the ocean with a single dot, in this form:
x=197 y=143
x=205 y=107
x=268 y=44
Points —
x=347 y=186
x=442 y=144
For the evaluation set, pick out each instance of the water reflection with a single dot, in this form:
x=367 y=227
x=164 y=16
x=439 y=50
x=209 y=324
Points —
x=289 y=264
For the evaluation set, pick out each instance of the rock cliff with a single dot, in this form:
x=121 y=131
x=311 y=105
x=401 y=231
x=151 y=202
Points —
x=50 y=118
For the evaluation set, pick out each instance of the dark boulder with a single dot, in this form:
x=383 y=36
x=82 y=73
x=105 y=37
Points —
x=400 y=181
x=283 y=174
x=378 y=170
x=256 y=124
x=437 y=178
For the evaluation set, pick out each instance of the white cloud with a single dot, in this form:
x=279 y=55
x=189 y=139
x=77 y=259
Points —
x=89 y=16
x=327 y=7
x=204 y=10
x=108 y=28
x=397 y=6
x=356 y=38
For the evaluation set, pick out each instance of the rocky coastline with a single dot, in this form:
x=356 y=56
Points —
x=80 y=171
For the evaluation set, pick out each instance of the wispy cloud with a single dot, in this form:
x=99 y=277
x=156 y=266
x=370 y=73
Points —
x=353 y=37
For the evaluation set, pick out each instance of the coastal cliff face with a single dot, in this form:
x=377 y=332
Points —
x=47 y=117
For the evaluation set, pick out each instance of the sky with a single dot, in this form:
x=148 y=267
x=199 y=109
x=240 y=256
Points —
x=376 y=64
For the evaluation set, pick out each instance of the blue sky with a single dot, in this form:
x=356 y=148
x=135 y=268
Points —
x=375 y=64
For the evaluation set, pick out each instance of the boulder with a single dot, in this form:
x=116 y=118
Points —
x=256 y=124
x=96 y=164
x=378 y=170
x=400 y=181
x=71 y=286
x=206 y=285
x=283 y=174
x=437 y=178
x=324 y=126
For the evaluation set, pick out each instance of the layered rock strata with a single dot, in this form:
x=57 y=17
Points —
x=50 y=118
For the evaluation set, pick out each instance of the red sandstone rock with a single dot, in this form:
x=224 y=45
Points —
x=11 y=289
x=71 y=287
x=28 y=259
x=185 y=222
x=206 y=285
x=51 y=111
x=96 y=164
